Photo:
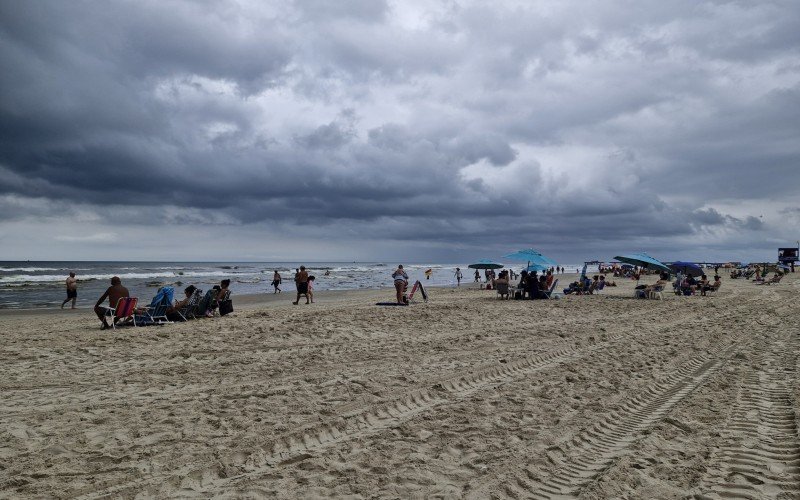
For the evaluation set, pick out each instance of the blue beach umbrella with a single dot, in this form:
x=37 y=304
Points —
x=643 y=260
x=689 y=268
x=486 y=264
x=532 y=257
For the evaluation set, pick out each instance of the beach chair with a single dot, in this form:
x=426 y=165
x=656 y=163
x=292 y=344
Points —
x=713 y=288
x=189 y=311
x=156 y=312
x=656 y=293
x=126 y=307
x=502 y=290
x=551 y=294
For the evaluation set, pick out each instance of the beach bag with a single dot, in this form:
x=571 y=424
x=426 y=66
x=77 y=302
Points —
x=225 y=307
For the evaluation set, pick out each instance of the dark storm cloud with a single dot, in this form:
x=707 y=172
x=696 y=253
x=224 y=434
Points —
x=569 y=124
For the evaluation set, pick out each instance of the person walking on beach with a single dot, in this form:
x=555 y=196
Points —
x=276 y=282
x=301 y=280
x=477 y=276
x=400 y=283
x=72 y=290
x=115 y=292
x=459 y=275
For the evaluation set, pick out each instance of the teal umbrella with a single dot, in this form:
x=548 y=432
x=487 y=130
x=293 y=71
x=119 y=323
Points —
x=532 y=257
x=486 y=264
x=643 y=260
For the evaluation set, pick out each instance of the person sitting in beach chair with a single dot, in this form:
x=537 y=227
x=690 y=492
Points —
x=180 y=311
x=593 y=284
x=702 y=283
x=501 y=285
x=549 y=281
x=650 y=291
x=113 y=293
x=713 y=287
x=551 y=293
x=156 y=312
x=775 y=279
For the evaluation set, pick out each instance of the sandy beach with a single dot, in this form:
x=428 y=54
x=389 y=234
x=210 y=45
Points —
x=463 y=397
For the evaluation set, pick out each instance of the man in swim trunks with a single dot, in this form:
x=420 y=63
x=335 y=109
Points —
x=72 y=290
x=115 y=292
x=301 y=280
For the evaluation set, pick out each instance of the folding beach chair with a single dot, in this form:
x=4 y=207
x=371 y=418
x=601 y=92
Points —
x=126 y=306
x=189 y=311
x=551 y=294
x=502 y=289
x=156 y=312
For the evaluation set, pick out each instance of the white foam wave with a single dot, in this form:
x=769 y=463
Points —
x=51 y=278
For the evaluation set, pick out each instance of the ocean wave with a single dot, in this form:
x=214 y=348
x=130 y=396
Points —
x=50 y=278
x=30 y=269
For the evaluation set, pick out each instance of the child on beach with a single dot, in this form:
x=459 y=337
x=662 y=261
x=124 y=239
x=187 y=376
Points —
x=311 y=288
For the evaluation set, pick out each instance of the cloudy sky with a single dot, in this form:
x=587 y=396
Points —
x=398 y=130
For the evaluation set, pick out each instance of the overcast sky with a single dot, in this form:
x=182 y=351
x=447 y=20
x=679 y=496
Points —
x=398 y=131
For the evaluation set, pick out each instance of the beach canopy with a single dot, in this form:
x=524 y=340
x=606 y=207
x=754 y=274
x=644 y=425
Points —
x=643 y=260
x=532 y=257
x=486 y=264
x=689 y=268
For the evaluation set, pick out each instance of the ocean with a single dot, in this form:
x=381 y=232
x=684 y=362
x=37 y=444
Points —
x=29 y=285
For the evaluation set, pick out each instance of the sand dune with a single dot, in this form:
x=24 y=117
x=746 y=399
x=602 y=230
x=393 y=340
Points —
x=466 y=396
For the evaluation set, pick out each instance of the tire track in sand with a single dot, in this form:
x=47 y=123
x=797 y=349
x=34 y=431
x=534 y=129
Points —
x=761 y=456
x=594 y=449
x=360 y=421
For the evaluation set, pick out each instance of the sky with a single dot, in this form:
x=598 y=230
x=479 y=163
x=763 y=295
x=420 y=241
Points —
x=417 y=131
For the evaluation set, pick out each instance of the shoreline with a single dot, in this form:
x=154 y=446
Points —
x=249 y=301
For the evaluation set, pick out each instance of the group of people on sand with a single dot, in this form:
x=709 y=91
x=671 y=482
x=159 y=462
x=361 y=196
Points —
x=304 y=283
x=205 y=305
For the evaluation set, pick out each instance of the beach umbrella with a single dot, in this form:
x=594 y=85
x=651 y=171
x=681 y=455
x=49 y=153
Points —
x=536 y=267
x=486 y=264
x=532 y=257
x=689 y=268
x=643 y=260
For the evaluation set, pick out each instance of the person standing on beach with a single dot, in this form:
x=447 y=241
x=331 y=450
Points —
x=72 y=290
x=400 y=283
x=459 y=275
x=301 y=280
x=276 y=282
x=477 y=276
x=115 y=292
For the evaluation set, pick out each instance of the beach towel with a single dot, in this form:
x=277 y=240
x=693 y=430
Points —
x=389 y=304
x=164 y=295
